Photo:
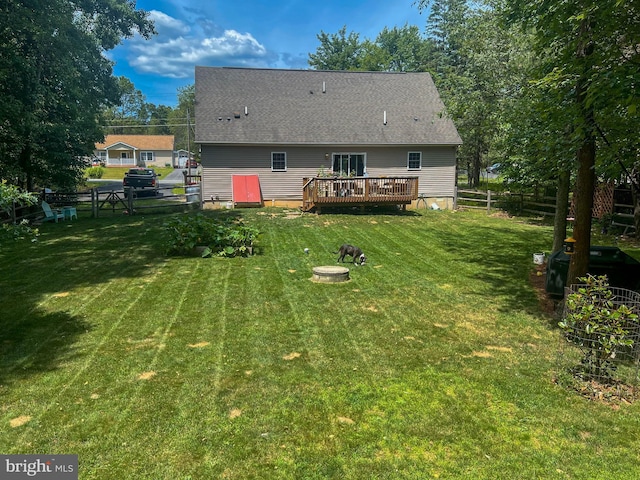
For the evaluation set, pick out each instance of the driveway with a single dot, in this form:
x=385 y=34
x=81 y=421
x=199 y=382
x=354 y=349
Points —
x=175 y=177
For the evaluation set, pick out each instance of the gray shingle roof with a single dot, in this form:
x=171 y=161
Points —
x=262 y=106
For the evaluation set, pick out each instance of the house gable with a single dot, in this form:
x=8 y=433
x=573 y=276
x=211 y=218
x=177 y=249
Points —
x=140 y=142
x=120 y=146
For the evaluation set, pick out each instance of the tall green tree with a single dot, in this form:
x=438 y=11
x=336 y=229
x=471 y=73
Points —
x=592 y=73
x=130 y=113
x=337 y=51
x=181 y=118
x=55 y=81
x=159 y=116
x=477 y=67
x=398 y=50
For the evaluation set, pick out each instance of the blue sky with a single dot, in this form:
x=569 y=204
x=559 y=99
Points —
x=244 y=33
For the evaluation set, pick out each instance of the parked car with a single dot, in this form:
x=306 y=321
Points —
x=494 y=169
x=192 y=164
x=141 y=180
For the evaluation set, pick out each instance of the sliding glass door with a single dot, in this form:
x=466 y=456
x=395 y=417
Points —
x=349 y=164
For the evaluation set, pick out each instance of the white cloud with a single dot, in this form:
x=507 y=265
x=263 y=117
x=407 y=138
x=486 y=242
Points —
x=166 y=25
x=178 y=48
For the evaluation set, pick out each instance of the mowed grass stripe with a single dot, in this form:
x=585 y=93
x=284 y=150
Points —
x=180 y=400
x=48 y=416
x=133 y=372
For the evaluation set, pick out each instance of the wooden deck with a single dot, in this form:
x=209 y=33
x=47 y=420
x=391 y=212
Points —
x=318 y=192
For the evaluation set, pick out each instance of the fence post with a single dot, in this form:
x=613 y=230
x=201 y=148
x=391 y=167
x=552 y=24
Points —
x=130 y=201
x=488 y=201
x=455 y=197
x=94 y=203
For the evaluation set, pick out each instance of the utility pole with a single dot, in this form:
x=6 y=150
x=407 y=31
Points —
x=188 y=143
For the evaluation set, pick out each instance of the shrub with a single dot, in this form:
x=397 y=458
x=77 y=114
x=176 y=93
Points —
x=21 y=231
x=600 y=328
x=11 y=195
x=95 y=172
x=221 y=237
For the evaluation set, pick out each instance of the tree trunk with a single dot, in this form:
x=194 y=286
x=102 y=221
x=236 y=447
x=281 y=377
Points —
x=477 y=159
x=562 y=210
x=636 y=211
x=585 y=180
x=25 y=164
x=585 y=183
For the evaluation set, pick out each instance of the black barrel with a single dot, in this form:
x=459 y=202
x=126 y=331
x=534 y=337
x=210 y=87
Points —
x=621 y=269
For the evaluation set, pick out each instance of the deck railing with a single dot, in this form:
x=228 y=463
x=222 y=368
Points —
x=354 y=191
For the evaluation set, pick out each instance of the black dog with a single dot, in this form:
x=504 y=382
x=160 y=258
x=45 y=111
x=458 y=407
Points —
x=354 y=252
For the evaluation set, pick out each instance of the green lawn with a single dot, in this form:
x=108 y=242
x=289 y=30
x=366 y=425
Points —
x=434 y=361
x=117 y=173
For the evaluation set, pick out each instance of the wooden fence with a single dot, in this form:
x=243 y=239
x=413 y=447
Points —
x=617 y=209
x=94 y=202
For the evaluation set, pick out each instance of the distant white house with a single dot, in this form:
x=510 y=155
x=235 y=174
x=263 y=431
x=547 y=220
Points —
x=136 y=150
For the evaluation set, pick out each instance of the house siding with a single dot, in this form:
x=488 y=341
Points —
x=162 y=147
x=160 y=158
x=219 y=163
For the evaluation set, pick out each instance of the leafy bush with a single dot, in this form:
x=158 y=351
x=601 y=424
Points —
x=11 y=195
x=95 y=172
x=600 y=328
x=222 y=237
x=20 y=231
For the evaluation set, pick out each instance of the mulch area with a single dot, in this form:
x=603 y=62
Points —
x=611 y=394
x=537 y=278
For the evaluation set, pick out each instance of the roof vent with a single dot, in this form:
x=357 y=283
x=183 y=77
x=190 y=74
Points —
x=236 y=114
x=384 y=117
x=246 y=111
x=324 y=87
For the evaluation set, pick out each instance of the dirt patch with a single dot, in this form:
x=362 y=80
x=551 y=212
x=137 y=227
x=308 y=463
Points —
x=482 y=354
x=500 y=214
x=19 y=421
x=499 y=349
x=235 y=413
x=292 y=356
x=345 y=420
x=198 y=345
x=61 y=294
x=146 y=375
x=537 y=279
